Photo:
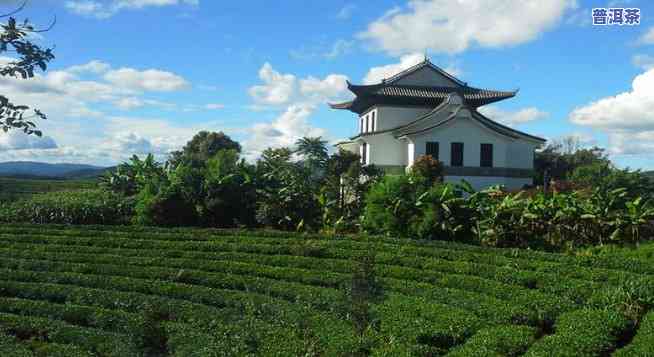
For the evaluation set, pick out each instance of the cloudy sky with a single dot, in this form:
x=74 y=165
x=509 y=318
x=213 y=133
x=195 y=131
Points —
x=139 y=76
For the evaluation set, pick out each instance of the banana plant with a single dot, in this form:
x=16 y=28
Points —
x=638 y=214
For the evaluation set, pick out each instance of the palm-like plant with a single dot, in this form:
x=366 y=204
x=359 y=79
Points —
x=638 y=213
x=129 y=177
x=314 y=151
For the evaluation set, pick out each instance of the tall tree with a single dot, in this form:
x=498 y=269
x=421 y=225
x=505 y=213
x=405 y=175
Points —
x=313 y=150
x=203 y=146
x=16 y=38
x=562 y=157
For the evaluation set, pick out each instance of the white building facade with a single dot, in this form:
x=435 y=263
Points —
x=426 y=111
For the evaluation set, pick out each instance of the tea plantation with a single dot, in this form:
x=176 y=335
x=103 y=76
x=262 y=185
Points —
x=129 y=291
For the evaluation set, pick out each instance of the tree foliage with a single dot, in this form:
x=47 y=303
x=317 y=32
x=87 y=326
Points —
x=427 y=170
x=313 y=150
x=203 y=146
x=346 y=183
x=15 y=38
x=561 y=158
x=287 y=194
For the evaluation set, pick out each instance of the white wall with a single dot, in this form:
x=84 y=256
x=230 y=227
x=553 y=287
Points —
x=385 y=149
x=370 y=121
x=521 y=154
x=350 y=146
x=411 y=152
x=482 y=182
x=472 y=135
x=392 y=117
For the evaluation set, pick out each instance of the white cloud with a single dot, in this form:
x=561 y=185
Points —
x=95 y=67
x=214 y=106
x=626 y=118
x=580 y=16
x=149 y=80
x=647 y=38
x=345 y=13
x=643 y=61
x=376 y=74
x=129 y=103
x=277 y=88
x=300 y=98
x=512 y=118
x=331 y=51
x=106 y=9
x=317 y=90
x=284 y=89
x=63 y=93
x=285 y=130
x=132 y=143
x=339 y=48
x=17 y=140
x=631 y=143
x=632 y=110
x=76 y=119
x=452 y=26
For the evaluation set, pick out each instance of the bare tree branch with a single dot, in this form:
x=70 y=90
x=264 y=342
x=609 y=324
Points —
x=52 y=24
x=19 y=9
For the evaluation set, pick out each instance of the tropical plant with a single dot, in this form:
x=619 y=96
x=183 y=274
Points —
x=444 y=214
x=314 y=152
x=229 y=191
x=132 y=176
x=342 y=195
x=287 y=195
x=391 y=206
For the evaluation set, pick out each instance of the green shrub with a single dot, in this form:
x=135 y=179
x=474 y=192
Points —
x=70 y=207
x=167 y=207
x=427 y=170
x=497 y=341
x=643 y=342
x=390 y=207
x=586 y=332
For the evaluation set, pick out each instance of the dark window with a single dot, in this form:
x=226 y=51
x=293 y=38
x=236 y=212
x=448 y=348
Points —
x=486 y=157
x=432 y=149
x=364 y=153
x=374 y=122
x=457 y=154
x=361 y=125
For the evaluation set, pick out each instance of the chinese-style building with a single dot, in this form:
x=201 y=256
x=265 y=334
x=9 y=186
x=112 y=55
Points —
x=424 y=110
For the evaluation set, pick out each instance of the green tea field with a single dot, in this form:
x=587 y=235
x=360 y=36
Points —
x=127 y=291
x=15 y=188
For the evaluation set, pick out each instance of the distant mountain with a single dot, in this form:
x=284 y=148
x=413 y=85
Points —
x=88 y=173
x=41 y=169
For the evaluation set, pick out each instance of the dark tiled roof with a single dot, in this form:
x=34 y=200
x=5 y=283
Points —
x=415 y=68
x=417 y=95
x=502 y=128
x=469 y=93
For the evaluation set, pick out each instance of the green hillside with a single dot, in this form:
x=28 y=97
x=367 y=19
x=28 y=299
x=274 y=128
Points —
x=74 y=291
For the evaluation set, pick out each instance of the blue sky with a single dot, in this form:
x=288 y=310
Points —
x=138 y=76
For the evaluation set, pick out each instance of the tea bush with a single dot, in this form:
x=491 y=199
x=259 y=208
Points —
x=129 y=291
x=70 y=207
